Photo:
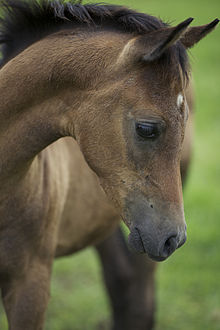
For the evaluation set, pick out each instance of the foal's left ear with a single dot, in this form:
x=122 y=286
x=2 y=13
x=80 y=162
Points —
x=196 y=33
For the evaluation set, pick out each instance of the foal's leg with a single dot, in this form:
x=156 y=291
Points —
x=130 y=282
x=25 y=297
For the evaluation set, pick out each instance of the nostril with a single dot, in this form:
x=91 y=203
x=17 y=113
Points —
x=170 y=246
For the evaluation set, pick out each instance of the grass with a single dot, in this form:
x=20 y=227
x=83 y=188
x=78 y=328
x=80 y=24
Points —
x=188 y=291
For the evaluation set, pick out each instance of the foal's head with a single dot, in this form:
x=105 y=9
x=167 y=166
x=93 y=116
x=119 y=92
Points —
x=134 y=137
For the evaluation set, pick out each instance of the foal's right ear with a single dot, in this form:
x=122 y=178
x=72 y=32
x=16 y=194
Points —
x=150 y=46
x=196 y=33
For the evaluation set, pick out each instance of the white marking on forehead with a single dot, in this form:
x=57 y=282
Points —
x=179 y=100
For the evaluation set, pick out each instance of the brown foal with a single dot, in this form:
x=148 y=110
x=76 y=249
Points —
x=93 y=111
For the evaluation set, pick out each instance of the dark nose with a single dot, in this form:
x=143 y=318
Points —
x=169 y=246
x=158 y=250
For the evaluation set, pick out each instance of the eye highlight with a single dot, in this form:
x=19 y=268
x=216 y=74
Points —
x=147 y=130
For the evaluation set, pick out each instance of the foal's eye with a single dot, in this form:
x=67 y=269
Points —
x=147 y=130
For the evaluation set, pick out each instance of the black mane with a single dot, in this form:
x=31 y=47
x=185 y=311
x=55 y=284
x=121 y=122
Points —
x=23 y=22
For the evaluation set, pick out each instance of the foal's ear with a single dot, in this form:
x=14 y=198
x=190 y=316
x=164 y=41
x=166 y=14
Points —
x=165 y=38
x=150 y=46
x=196 y=33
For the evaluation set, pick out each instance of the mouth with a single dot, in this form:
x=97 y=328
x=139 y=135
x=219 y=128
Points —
x=157 y=258
x=135 y=242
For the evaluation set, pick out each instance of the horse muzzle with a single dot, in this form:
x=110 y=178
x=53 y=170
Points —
x=157 y=227
x=158 y=247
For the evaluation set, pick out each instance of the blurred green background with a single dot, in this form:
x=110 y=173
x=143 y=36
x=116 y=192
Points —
x=188 y=283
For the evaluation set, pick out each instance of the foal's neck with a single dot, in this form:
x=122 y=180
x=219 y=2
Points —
x=45 y=88
x=37 y=92
x=28 y=110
